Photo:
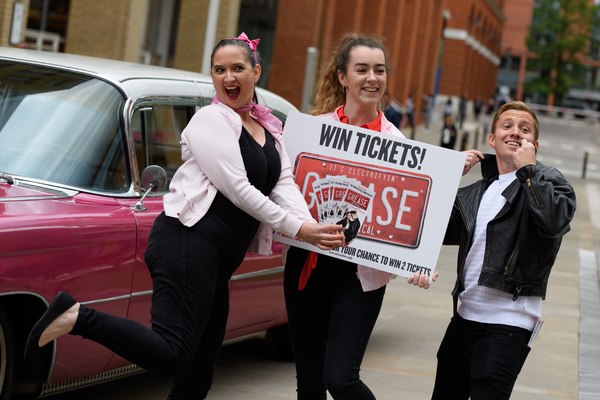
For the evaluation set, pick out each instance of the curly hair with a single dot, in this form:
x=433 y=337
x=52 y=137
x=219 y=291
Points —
x=329 y=94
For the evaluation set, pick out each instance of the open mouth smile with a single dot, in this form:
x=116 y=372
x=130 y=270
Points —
x=232 y=92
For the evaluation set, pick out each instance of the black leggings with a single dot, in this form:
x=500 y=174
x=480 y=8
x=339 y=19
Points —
x=331 y=321
x=190 y=305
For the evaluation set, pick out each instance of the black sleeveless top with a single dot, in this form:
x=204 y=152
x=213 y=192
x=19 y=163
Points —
x=227 y=226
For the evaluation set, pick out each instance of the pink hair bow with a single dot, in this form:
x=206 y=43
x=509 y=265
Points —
x=252 y=43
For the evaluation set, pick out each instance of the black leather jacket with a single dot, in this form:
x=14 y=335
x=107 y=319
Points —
x=523 y=239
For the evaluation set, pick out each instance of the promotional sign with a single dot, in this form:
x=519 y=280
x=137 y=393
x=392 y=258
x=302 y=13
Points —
x=392 y=195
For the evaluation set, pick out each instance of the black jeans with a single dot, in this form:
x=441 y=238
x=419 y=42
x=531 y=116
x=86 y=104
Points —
x=331 y=321
x=190 y=305
x=479 y=360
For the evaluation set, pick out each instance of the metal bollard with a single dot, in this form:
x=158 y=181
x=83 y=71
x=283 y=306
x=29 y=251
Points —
x=465 y=140
x=585 y=159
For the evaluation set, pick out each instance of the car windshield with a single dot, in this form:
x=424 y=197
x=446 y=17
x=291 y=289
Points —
x=61 y=127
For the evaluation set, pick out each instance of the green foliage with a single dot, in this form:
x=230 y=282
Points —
x=560 y=37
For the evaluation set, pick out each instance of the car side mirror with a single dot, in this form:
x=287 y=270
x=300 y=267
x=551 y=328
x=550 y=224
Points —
x=154 y=179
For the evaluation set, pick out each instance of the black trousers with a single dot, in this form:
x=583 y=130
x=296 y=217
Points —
x=190 y=305
x=331 y=321
x=479 y=360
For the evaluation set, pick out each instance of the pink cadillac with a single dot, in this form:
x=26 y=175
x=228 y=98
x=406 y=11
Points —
x=76 y=133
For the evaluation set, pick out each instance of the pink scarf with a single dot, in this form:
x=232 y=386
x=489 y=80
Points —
x=261 y=113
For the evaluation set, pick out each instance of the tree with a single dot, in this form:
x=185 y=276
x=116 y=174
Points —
x=559 y=36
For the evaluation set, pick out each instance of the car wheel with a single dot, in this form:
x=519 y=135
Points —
x=6 y=357
x=283 y=342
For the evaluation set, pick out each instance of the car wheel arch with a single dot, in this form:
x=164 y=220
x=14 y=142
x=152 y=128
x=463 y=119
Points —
x=21 y=311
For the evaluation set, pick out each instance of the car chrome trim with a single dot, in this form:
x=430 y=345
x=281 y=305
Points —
x=257 y=273
x=116 y=298
x=59 y=193
x=62 y=387
x=257 y=335
x=249 y=275
x=145 y=293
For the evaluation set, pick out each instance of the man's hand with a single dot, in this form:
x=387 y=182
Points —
x=473 y=158
x=525 y=154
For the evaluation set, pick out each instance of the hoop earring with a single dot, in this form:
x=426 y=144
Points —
x=343 y=89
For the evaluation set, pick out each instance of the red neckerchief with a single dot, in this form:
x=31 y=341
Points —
x=374 y=125
x=311 y=259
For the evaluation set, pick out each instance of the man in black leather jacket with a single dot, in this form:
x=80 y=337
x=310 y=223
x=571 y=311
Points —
x=509 y=226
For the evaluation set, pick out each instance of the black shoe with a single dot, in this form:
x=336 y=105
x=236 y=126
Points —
x=61 y=303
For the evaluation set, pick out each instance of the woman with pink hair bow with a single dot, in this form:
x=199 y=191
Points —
x=236 y=175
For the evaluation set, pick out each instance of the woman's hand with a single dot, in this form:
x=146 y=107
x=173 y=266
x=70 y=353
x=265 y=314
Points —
x=325 y=237
x=421 y=280
x=473 y=158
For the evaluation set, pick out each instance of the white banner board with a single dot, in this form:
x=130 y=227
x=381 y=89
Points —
x=400 y=191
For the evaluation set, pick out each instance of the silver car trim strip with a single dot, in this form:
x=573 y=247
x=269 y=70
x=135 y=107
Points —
x=249 y=275
x=62 y=387
x=123 y=297
x=257 y=273
x=59 y=193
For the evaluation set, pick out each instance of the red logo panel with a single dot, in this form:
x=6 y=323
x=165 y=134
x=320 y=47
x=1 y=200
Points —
x=400 y=201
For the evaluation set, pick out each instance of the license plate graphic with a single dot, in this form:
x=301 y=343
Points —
x=400 y=204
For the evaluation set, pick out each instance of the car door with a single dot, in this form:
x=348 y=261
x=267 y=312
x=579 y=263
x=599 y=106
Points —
x=156 y=128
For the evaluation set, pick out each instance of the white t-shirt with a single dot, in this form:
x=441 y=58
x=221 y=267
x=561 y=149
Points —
x=487 y=305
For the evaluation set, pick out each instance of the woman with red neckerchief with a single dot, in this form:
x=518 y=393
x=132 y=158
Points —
x=236 y=175
x=333 y=304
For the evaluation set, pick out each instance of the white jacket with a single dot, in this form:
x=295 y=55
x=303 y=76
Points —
x=212 y=162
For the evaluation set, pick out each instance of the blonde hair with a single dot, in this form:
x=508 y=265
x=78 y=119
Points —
x=329 y=93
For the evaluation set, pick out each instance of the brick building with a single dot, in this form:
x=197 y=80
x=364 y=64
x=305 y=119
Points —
x=412 y=30
x=172 y=33
x=513 y=70
x=514 y=51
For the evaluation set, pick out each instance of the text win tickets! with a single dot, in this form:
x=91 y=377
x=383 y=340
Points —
x=392 y=195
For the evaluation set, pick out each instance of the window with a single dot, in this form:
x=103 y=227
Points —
x=515 y=63
x=61 y=127
x=161 y=32
x=157 y=132
x=258 y=18
x=48 y=16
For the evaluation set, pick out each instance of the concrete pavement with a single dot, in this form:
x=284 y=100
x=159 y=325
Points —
x=400 y=361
